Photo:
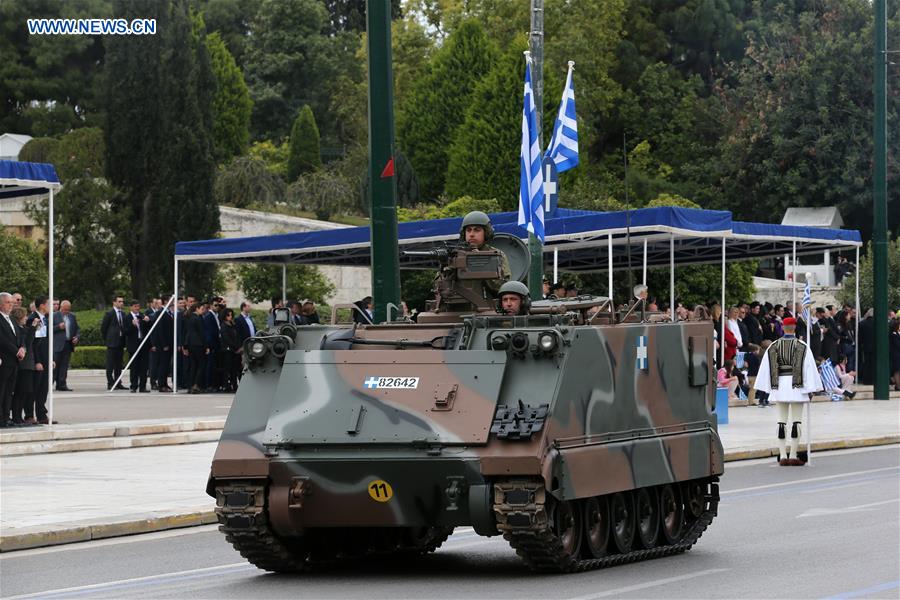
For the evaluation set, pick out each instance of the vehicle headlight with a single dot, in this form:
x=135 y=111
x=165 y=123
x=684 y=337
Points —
x=547 y=342
x=257 y=349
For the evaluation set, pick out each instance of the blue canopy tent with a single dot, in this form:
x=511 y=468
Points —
x=580 y=241
x=22 y=179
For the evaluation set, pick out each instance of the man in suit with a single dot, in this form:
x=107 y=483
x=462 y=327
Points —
x=831 y=338
x=163 y=343
x=112 y=330
x=41 y=357
x=65 y=338
x=152 y=312
x=136 y=326
x=211 y=327
x=11 y=352
x=244 y=324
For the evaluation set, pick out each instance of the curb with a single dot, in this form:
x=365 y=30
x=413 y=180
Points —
x=34 y=537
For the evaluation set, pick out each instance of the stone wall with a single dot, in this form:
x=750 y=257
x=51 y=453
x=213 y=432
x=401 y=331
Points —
x=350 y=283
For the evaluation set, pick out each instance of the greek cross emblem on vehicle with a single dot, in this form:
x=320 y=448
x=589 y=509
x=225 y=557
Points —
x=391 y=383
x=642 y=362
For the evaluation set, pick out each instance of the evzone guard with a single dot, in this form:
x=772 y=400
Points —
x=788 y=374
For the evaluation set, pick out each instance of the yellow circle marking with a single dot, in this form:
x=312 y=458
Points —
x=380 y=491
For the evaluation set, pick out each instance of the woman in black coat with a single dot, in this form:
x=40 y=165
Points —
x=895 y=352
x=23 y=396
x=230 y=351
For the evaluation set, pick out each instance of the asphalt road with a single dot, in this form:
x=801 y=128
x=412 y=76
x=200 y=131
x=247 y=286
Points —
x=830 y=530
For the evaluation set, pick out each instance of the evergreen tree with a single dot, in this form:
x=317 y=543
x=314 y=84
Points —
x=231 y=104
x=427 y=124
x=484 y=156
x=304 y=153
x=135 y=147
x=159 y=150
x=38 y=150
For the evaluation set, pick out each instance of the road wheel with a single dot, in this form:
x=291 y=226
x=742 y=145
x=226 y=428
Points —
x=596 y=526
x=622 y=521
x=694 y=495
x=671 y=513
x=567 y=526
x=647 y=510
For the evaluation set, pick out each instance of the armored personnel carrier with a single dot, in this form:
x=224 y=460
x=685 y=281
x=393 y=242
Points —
x=584 y=435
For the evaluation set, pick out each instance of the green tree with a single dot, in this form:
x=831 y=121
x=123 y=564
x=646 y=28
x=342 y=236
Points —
x=290 y=61
x=230 y=19
x=38 y=150
x=231 y=104
x=426 y=126
x=246 y=183
x=274 y=156
x=29 y=278
x=804 y=100
x=324 y=192
x=847 y=294
x=49 y=83
x=263 y=282
x=304 y=154
x=89 y=259
x=484 y=156
x=159 y=123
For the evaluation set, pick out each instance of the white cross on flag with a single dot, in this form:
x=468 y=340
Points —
x=642 y=360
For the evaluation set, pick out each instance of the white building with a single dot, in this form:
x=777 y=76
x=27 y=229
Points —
x=11 y=144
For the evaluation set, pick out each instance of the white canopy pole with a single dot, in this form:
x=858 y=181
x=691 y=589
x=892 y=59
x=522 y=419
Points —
x=610 y=260
x=808 y=433
x=672 y=277
x=555 y=265
x=794 y=285
x=175 y=346
x=856 y=322
x=644 y=277
x=284 y=283
x=50 y=329
x=722 y=316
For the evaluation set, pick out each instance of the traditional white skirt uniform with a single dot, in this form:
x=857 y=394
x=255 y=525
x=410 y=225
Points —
x=786 y=392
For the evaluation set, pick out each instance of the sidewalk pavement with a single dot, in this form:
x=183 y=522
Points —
x=58 y=498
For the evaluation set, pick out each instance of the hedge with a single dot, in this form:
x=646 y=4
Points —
x=91 y=357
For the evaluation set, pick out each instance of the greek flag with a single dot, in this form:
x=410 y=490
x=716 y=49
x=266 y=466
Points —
x=563 y=148
x=807 y=302
x=830 y=379
x=531 y=181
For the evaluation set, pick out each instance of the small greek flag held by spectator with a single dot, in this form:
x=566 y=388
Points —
x=830 y=379
x=807 y=302
x=642 y=362
x=531 y=180
x=563 y=148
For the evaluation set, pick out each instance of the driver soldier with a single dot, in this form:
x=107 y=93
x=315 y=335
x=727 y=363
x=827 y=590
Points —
x=513 y=299
x=476 y=231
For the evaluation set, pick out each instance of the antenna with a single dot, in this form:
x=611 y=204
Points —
x=627 y=213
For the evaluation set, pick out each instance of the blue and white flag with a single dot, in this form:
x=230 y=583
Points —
x=830 y=380
x=531 y=180
x=563 y=148
x=807 y=302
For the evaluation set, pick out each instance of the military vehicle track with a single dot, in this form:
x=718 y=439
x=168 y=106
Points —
x=543 y=550
x=241 y=511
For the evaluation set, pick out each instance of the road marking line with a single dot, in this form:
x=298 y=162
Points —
x=882 y=587
x=648 y=584
x=796 y=481
x=219 y=570
x=822 y=512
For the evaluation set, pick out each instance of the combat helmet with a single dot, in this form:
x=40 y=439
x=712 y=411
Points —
x=476 y=217
x=515 y=287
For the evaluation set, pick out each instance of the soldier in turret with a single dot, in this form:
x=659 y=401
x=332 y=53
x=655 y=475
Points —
x=788 y=374
x=476 y=231
x=513 y=299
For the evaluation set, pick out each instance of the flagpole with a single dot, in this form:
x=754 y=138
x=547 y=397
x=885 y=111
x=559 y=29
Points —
x=536 y=58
